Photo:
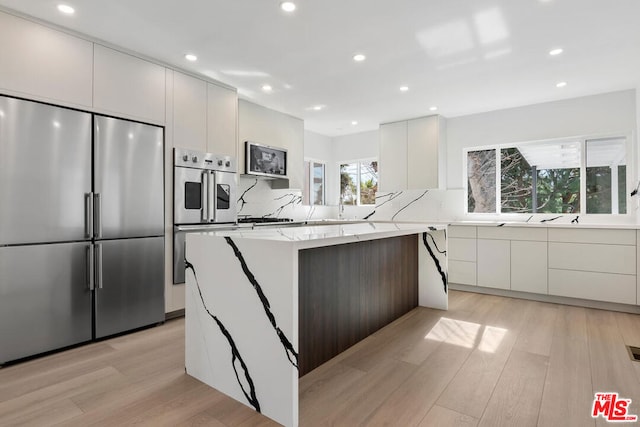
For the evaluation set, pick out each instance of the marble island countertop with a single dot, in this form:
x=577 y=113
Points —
x=308 y=236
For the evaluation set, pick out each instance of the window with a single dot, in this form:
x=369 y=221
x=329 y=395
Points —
x=314 y=185
x=359 y=182
x=549 y=177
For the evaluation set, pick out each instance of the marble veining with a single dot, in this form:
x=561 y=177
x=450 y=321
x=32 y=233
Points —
x=409 y=204
x=292 y=355
x=294 y=199
x=235 y=353
x=241 y=199
x=434 y=258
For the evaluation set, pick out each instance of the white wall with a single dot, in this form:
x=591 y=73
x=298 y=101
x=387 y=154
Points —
x=265 y=126
x=317 y=147
x=607 y=113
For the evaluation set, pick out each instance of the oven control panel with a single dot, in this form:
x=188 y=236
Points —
x=199 y=160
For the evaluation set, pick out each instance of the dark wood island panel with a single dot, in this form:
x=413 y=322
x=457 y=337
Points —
x=349 y=291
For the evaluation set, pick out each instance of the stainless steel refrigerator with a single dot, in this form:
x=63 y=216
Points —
x=81 y=227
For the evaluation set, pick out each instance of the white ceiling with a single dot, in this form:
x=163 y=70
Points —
x=459 y=55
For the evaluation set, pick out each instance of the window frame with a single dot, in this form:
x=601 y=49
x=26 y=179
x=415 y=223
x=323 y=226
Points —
x=359 y=161
x=309 y=177
x=630 y=155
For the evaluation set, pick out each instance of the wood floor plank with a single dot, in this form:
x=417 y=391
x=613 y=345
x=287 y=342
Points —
x=413 y=399
x=49 y=413
x=439 y=416
x=610 y=363
x=359 y=400
x=516 y=399
x=567 y=395
x=538 y=329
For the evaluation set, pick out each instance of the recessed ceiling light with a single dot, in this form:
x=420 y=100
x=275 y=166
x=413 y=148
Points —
x=434 y=108
x=267 y=88
x=555 y=52
x=66 y=9
x=359 y=57
x=318 y=107
x=56 y=124
x=288 y=6
x=190 y=57
x=354 y=123
x=561 y=84
x=404 y=88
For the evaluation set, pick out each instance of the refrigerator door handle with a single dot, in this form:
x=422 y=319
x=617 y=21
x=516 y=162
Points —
x=204 y=196
x=98 y=266
x=88 y=215
x=211 y=197
x=97 y=215
x=90 y=268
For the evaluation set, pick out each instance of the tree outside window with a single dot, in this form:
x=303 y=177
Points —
x=358 y=182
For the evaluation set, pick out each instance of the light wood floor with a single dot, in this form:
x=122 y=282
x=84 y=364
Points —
x=487 y=361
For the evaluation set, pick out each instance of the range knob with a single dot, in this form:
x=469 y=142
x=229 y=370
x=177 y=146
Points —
x=228 y=163
x=194 y=159
x=219 y=162
x=185 y=157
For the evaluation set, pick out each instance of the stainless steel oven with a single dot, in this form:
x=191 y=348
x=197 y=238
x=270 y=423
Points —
x=204 y=188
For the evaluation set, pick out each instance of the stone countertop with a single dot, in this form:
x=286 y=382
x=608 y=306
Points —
x=310 y=236
x=549 y=224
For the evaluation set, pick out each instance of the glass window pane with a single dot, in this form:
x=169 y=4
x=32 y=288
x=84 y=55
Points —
x=368 y=182
x=348 y=183
x=306 y=187
x=516 y=185
x=558 y=190
x=481 y=178
x=318 y=184
x=606 y=162
x=622 y=189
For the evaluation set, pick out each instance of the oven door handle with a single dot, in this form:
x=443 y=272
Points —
x=204 y=181
x=211 y=197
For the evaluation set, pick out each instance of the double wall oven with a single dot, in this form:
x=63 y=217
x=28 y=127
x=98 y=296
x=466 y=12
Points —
x=205 y=187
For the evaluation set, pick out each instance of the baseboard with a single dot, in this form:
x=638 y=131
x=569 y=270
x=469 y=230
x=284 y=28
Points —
x=174 y=314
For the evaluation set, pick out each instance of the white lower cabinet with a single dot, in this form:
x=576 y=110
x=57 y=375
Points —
x=494 y=263
x=462 y=272
x=529 y=267
x=620 y=288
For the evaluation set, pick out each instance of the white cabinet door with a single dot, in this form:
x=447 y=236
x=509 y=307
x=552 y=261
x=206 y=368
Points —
x=462 y=249
x=494 y=263
x=222 y=120
x=422 y=153
x=593 y=257
x=44 y=63
x=529 y=267
x=189 y=112
x=620 y=288
x=462 y=272
x=393 y=156
x=127 y=86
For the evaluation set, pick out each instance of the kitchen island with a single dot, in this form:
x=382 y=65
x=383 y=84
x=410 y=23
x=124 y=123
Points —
x=265 y=306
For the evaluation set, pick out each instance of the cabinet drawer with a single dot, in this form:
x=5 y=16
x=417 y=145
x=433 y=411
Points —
x=494 y=263
x=462 y=249
x=593 y=257
x=513 y=233
x=618 y=288
x=592 y=235
x=465 y=231
x=529 y=267
x=462 y=272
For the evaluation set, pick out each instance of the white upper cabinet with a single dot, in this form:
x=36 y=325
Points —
x=189 y=112
x=44 y=63
x=412 y=154
x=393 y=156
x=222 y=120
x=128 y=86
